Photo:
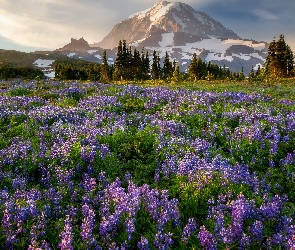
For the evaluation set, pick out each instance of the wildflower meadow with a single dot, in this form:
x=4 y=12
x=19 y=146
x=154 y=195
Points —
x=105 y=166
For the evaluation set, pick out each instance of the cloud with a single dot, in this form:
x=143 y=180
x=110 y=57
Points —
x=265 y=15
x=51 y=23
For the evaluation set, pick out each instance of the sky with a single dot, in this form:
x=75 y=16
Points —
x=30 y=25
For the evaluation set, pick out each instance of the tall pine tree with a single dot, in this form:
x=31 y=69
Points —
x=119 y=63
x=279 y=62
x=193 y=68
x=145 y=62
x=105 y=71
x=156 y=69
x=167 y=67
x=197 y=69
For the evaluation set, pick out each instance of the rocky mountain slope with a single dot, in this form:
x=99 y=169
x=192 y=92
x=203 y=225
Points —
x=166 y=17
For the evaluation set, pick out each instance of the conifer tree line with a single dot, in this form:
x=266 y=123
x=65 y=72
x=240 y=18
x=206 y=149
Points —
x=134 y=65
x=77 y=70
x=8 y=70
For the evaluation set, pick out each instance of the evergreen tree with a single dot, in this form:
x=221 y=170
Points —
x=176 y=73
x=167 y=67
x=197 y=69
x=259 y=74
x=129 y=67
x=156 y=69
x=241 y=76
x=105 y=77
x=251 y=76
x=119 y=63
x=145 y=65
x=280 y=60
x=136 y=65
x=193 y=68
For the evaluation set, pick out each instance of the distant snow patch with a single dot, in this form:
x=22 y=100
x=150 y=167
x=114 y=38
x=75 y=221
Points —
x=43 y=63
x=50 y=74
x=257 y=56
x=242 y=56
x=249 y=43
x=71 y=54
x=136 y=43
x=218 y=57
x=256 y=66
x=98 y=56
x=167 y=40
x=92 y=51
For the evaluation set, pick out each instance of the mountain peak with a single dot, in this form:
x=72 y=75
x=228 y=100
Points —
x=157 y=11
x=166 y=17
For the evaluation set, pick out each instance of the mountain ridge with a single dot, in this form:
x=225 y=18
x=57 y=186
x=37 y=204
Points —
x=166 y=17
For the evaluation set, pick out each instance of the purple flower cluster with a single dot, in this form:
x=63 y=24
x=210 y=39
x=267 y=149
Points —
x=88 y=225
x=66 y=236
x=188 y=230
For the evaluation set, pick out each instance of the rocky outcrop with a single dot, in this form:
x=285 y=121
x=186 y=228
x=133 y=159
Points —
x=76 y=45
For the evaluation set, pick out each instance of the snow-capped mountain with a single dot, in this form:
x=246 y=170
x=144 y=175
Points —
x=182 y=31
x=166 y=17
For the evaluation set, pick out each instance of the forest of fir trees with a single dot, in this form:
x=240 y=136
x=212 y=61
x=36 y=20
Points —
x=133 y=65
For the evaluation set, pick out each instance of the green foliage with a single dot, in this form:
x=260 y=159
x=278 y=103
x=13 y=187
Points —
x=133 y=152
x=20 y=91
x=132 y=104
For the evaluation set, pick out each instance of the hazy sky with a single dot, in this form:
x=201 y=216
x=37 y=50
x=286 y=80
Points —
x=29 y=25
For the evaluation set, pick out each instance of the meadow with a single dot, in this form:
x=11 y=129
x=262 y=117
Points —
x=181 y=166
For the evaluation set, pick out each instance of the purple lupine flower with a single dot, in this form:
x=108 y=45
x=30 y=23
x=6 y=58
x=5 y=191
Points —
x=245 y=241
x=143 y=244
x=256 y=231
x=130 y=227
x=66 y=236
x=88 y=225
x=127 y=176
x=206 y=238
x=272 y=208
x=113 y=246
x=102 y=178
x=110 y=224
x=241 y=210
x=89 y=184
x=188 y=230
x=277 y=239
x=226 y=234
x=157 y=176
x=38 y=230
x=163 y=241
x=104 y=151
x=6 y=222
